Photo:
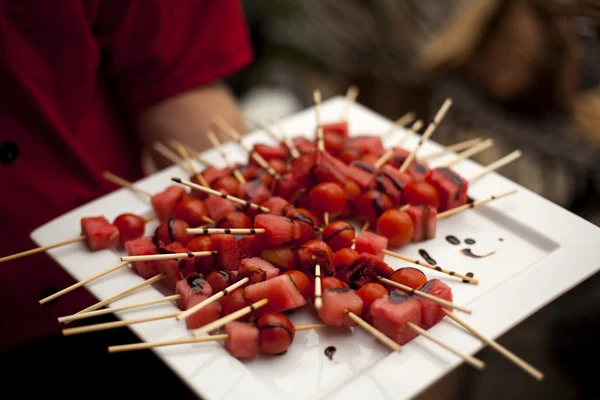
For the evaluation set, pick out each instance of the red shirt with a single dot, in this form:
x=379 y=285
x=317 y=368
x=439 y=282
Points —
x=73 y=77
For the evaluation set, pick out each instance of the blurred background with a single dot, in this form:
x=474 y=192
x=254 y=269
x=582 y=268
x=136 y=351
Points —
x=523 y=72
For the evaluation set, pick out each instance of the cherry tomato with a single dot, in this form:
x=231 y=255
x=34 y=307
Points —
x=281 y=257
x=327 y=197
x=409 y=276
x=370 y=292
x=304 y=223
x=278 y=165
x=220 y=280
x=130 y=226
x=330 y=282
x=234 y=301
x=192 y=211
x=276 y=333
x=236 y=219
x=300 y=198
x=227 y=184
x=372 y=205
x=174 y=230
x=204 y=265
x=254 y=274
x=302 y=282
x=344 y=258
x=418 y=193
x=338 y=235
x=397 y=226
x=316 y=220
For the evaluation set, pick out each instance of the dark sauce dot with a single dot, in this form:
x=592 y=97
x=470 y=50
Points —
x=452 y=240
x=427 y=257
x=470 y=241
x=500 y=240
x=330 y=351
x=470 y=275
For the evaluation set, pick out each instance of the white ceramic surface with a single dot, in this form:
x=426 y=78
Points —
x=545 y=251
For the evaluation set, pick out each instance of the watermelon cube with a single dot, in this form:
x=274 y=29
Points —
x=99 y=233
x=143 y=246
x=335 y=304
x=192 y=285
x=271 y=152
x=203 y=316
x=339 y=128
x=175 y=269
x=424 y=219
x=312 y=253
x=254 y=191
x=392 y=182
x=281 y=291
x=257 y=270
x=242 y=340
x=392 y=312
x=360 y=173
x=431 y=311
x=451 y=187
x=164 y=202
x=372 y=243
x=366 y=269
x=278 y=229
x=218 y=207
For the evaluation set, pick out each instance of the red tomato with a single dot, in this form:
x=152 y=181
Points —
x=281 y=257
x=204 y=265
x=276 y=333
x=329 y=282
x=397 y=226
x=233 y=302
x=227 y=184
x=174 y=230
x=338 y=235
x=130 y=226
x=327 y=197
x=372 y=205
x=220 y=280
x=370 y=292
x=315 y=219
x=236 y=219
x=301 y=281
x=418 y=193
x=409 y=276
x=191 y=210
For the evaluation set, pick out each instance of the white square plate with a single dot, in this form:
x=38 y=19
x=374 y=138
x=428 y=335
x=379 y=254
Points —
x=545 y=250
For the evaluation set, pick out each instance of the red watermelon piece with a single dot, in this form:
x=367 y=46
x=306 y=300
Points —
x=254 y=191
x=424 y=219
x=271 y=152
x=392 y=312
x=164 y=202
x=392 y=182
x=336 y=302
x=257 y=270
x=276 y=205
x=368 y=144
x=432 y=312
x=281 y=291
x=319 y=166
x=99 y=233
x=360 y=173
x=312 y=253
x=211 y=174
x=203 y=316
x=365 y=269
x=278 y=229
x=287 y=186
x=142 y=246
x=176 y=269
x=218 y=207
x=192 y=285
x=372 y=243
x=451 y=187
x=304 y=145
x=339 y=128
x=242 y=340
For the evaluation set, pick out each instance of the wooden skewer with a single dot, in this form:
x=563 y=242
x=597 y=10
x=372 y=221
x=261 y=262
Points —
x=497 y=164
x=318 y=294
x=469 y=152
x=234 y=170
x=194 y=153
x=171 y=156
x=351 y=95
x=373 y=331
x=210 y=338
x=326 y=218
x=537 y=374
x=317 y=100
x=221 y=124
x=430 y=129
x=220 y=194
x=111 y=310
x=231 y=317
x=226 y=231
x=42 y=249
x=83 y=282
x=452 y=148
x=170 y=256
x=468 y=359
x=473 y=204
x=287 y=140
x=424 y=295
x=365 y=226
x=414 y=128
x=433 y=267
x=186 y=157
x=402 y=121
x=124 y=183
x=211 y=299
x=115 y=324
x=390 y=152
x=118 y=296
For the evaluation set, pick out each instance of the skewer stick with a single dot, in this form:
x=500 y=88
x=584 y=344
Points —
x=111 y=310
x=469 y=152
x=115 y=324
x=497 y=164
x=83 y=282
x=287 y=140
x=418 y=124
x=193 y=153
x=124 y=183
x=498 y=347
x=374 y=331
x=452 y=148
x=121 y=295
x=318 y=293
x=351 y=95
x=42 y=249
x=326 y=218
x=433 y=267
x=473 y=204
x=424 y=295
x=226 y=231
x=317 y=100
x=210 y=338
x=217 y=145
x=184 y=154
x=365 y=226
x=220 y=194
x=402 y=121
x=390 y=152
x=468 y=359
x=430 y=129
x=221 y=124
x=170 y=256
x=171 y=156
x=231 y=317
x=213 y=298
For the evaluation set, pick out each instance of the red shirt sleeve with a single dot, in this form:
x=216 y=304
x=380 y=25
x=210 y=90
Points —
x=156 y=49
